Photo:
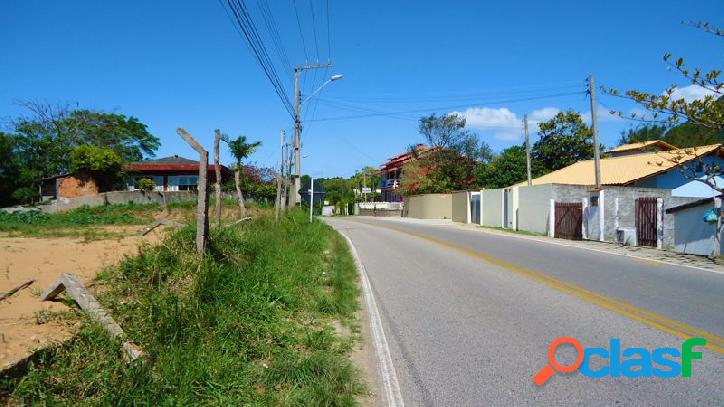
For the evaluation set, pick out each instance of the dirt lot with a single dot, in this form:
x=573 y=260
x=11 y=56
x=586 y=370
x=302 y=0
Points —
x=23 y=327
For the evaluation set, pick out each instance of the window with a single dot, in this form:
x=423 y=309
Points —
x=183 y=182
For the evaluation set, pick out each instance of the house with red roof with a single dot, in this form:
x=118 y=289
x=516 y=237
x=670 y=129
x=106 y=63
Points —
x=170 y=173
x=391 y=171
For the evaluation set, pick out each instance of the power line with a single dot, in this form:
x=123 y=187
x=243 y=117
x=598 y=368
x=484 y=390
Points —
x=329 y=40
x=314 y=29
x=250 y=34
x=273 y=30
x=459 y=97
x=301 y=33
x=447 y=107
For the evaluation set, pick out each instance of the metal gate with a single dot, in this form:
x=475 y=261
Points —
x=569 y=220
x=646 y=223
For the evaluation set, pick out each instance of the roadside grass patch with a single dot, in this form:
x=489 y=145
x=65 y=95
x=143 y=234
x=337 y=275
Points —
x=250 y=323
x=37 y=223
x=518 y=232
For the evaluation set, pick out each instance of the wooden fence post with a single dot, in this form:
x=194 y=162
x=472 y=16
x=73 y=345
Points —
x=217 y=169
x=202 y=207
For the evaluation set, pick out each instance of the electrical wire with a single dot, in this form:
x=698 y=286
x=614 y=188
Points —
x=250 y=34
x=391 y=114
x=301 y=33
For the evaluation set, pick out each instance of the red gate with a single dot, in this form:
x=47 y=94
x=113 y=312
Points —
x=646 y=222
x=568 y=220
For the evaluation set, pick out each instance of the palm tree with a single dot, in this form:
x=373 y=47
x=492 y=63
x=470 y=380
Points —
x=240 y=149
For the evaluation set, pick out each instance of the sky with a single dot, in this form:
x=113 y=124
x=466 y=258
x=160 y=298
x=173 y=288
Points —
x=183 y=64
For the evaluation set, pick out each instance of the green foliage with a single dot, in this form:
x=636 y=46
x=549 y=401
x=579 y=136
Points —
x=451 y=163
x=682 y=135
x=240 y=148
x=508 y=168
x=36 y=222
x=669 y=109
x=42 y=143
x=146 y=184
x=9 y=169
x=95 y=159
x=249 y=324
x=564 y=140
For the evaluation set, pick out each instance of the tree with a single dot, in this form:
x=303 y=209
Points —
x=103 y=165
x=240 y=149
x=643 y=132
x=9 y=168
x=508 y=168
x=450 y=162
x=44 y=139
x=564 y=140
x=682 y=135
x=669 y=109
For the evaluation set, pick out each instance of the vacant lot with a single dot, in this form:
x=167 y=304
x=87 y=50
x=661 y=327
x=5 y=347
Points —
x=40 y=247
x=267 y=317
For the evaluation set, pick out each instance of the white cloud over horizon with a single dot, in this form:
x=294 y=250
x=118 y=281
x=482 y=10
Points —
x=504 y=124
x=691 y=93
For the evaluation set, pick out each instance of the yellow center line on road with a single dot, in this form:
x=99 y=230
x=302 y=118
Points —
x=681 y=330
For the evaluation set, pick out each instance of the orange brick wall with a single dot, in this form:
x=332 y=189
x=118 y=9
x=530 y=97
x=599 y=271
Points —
x=74 y=186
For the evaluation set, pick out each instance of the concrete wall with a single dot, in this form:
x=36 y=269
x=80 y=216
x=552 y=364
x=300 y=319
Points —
x=116 y=197
x=534 y=208
x=493 y=207
x=693 y=235
x=429 y=206
x=460 y=206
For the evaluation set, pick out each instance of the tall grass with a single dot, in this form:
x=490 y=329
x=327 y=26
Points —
x=36 y=222
x=251 y=323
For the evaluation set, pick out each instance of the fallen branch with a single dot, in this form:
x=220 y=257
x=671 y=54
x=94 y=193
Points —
x=239 y=221
x=16 y=289
x=157 y=223
x=87 y=302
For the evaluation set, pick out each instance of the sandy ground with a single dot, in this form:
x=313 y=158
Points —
x=44 y=259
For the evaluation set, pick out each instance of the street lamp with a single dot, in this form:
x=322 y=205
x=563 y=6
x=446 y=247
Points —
x=330 y=80
x=298 y=126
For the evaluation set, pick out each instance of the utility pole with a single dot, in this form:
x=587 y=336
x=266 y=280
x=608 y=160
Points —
x=311 y=198
x=294 y=195
x=280 y=174
x=527 y=149
x=364 y=184
x=594 y=129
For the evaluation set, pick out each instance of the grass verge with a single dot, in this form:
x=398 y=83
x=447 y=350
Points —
x=75 y=222
x=252 y=323
x=517 y=232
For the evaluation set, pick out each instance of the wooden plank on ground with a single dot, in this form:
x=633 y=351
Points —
x=87 y=302
x=17 y=288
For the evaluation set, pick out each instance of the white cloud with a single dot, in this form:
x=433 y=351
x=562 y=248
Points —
x=604 y=115
x=691 y=93
x=504 y=124
x=542 y=115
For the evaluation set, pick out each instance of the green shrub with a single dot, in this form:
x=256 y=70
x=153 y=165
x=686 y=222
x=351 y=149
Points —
x=146 y=184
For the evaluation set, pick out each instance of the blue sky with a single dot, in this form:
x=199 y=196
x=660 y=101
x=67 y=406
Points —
x=181 y=64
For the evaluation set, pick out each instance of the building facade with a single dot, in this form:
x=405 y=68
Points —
x=391 y=171
x=170 y=173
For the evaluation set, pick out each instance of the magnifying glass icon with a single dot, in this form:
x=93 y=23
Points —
x=553 y=366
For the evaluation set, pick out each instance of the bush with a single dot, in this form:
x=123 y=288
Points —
x=146 y=184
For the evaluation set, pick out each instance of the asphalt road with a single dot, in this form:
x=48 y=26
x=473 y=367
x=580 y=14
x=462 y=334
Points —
x=469 y=316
